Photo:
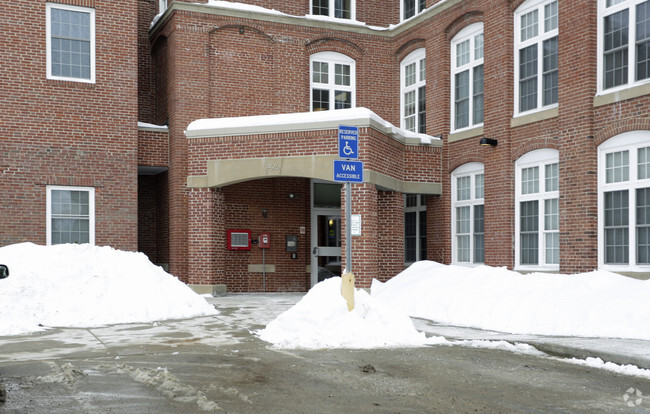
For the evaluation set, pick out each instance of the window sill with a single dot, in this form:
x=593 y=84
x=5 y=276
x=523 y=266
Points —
x=630 y=92
x=76 y=83
x=532 y=269
x=537 y=116
x=468 y=133
x=467 y=264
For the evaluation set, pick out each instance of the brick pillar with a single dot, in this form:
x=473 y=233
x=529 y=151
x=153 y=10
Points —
x=365 y=248
x=206 y=245
x=390 y=231
x=578 y=151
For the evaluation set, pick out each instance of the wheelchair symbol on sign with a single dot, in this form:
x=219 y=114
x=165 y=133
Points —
x=347 y=150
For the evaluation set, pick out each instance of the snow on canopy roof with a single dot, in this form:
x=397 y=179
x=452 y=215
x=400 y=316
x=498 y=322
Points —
x=300 y=121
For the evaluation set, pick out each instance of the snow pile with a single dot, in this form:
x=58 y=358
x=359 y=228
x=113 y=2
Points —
x=594 y=304
x=321 y=320
x=87 y=286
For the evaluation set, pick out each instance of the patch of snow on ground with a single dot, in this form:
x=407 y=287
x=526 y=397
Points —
x=593 y=304
x=321 y=320
x=88 y=286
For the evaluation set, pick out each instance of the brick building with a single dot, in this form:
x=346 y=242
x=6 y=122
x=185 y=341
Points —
x=510 y=133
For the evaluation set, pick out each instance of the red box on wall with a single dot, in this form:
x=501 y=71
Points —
x=238 y=239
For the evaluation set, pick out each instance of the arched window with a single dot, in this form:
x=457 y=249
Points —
x=624 y=202
x=413 y=91
x=537 y=223
x=467 y=214
x=332 y=80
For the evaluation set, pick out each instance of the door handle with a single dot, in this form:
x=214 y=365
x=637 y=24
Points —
x=315 y=251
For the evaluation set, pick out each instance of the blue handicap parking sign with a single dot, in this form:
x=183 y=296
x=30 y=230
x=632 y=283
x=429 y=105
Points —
x=348 y=142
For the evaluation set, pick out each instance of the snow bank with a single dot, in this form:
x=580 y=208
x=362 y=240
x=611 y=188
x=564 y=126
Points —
x=87 y=286
x=321 y=320
x=594 y=304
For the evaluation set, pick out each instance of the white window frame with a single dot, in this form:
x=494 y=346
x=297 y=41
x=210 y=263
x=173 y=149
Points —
x=473 y=34
x=537 y=158
x=420 y=6
x=91 y=210
x=332 y=59
x=331 y=10
x=91 y=12
x=603 y=12
x=471 y=170
x=417 y=58
x=418 y=209
x=538 y=39
x=162 y=6
x=631 y=142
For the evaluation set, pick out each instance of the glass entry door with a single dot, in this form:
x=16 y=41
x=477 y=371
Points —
x=326 y=244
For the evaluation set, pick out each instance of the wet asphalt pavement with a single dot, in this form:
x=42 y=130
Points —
x=216 y=364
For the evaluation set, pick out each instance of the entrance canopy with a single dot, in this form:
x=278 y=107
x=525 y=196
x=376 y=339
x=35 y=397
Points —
x=233 y=150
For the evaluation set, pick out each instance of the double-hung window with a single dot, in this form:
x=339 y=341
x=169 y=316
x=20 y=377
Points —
x=537 y=223
x=332 y=81
x=536 y=55
x=412 y=7
x=70 y=215
x=415 y=228
x=623 y=43
x=624 y=202
x=467 y=77
x=467 y=213
x=413 y=81
x=70 y=43
x=340 y=9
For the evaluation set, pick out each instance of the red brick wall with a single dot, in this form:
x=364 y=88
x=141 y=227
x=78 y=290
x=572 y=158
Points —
x=207 y=68
x=68 y=133
x=285 y=216
x=153 y=148
x=390 y=234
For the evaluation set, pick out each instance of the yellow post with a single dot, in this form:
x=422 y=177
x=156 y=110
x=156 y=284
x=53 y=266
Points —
x=347 y=289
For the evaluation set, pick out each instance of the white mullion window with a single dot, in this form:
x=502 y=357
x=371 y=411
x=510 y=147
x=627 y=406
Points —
x=411 y=8
x=467 y=78
x=70 y=215
x=536 y=55
x=537 y=223
x=624 y=202
x=413 y=87
x=467 y=214
x=70 y=45
x=338 y=9
x=415 y=228
x=332 y=81
x=623 y=43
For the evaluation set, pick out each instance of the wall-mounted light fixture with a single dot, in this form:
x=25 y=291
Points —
x=488 y=141
x=241 y=30
x=264 y=213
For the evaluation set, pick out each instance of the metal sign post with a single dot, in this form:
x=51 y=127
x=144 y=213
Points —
x=348 y=227
x=348 y=172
